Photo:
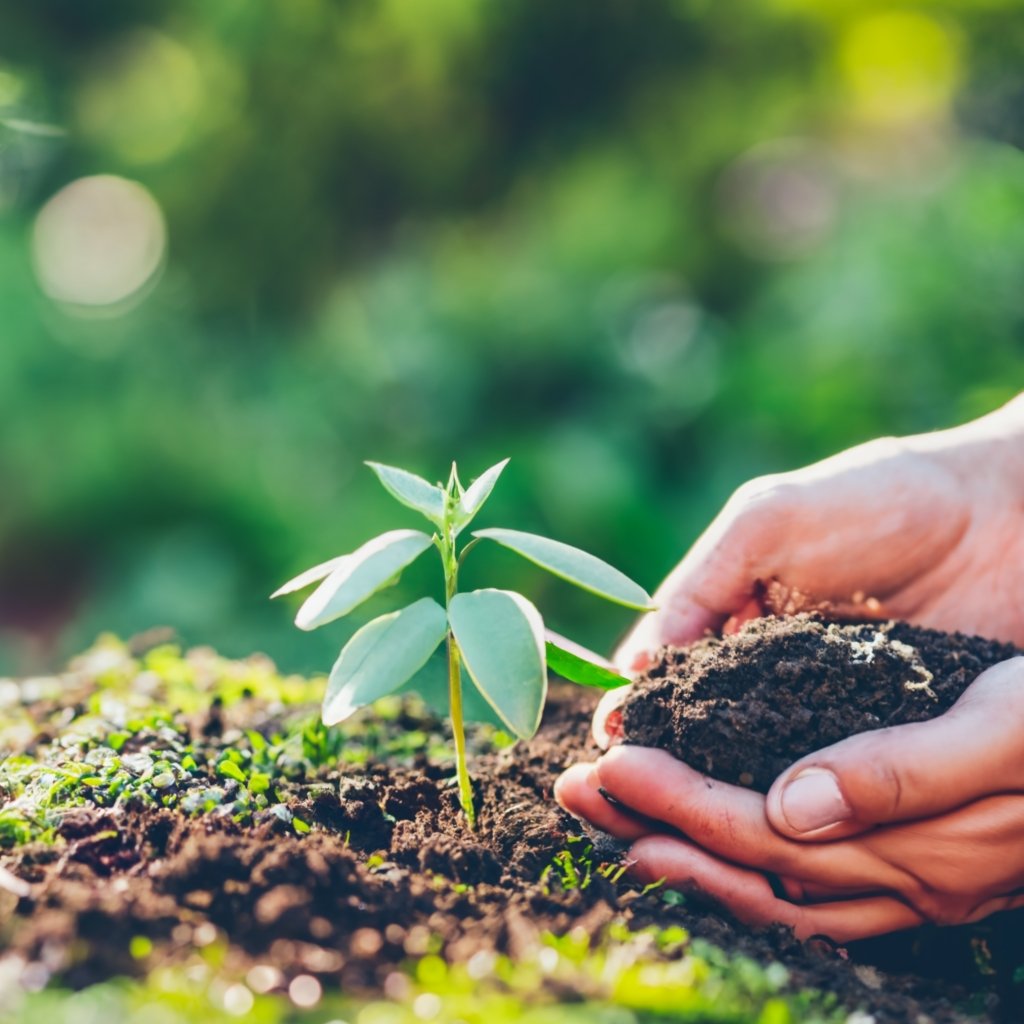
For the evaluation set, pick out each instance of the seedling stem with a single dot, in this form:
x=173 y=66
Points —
x=498 y=635
x=451 y=585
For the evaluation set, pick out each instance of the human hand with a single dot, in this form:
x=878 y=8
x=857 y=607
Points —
x=927 y=528
x=882 y=831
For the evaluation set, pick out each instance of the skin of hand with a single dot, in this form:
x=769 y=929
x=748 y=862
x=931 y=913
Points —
x=887 y=829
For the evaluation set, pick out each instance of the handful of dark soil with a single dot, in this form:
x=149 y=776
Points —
x=745 y=707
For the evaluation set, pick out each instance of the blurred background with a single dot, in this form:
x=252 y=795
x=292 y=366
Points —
x=646 y=250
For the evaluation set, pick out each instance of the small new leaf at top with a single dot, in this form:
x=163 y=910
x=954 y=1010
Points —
x=412 y=491
x=473 y=498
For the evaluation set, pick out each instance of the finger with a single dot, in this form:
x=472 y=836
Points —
x=577 y=790
x=697 y=597
x=753 y=609
x=607 y=724
x=748 y=896
x=730 y=822
x=996 y=905
x=910 y=771
x=715 y=580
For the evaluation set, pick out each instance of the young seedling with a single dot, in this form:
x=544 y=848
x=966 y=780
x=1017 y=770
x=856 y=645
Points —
x=496 y=634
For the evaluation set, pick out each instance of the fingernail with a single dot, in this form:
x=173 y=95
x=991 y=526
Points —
x=813 y=800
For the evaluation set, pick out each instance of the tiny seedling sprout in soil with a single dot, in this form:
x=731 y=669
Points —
x=497 y=635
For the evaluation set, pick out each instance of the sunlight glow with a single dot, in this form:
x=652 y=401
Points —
x=98 y=242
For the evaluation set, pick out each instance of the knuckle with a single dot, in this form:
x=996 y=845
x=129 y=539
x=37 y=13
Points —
x=758 y=494
x=701 y=817
x=871 y=780
x=937 y=905
x=942 y=908
x=881 y=448
x=888 y=785
x=764 y=503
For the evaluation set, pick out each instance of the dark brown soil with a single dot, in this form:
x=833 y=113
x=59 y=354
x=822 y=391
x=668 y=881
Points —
x=389 y=870
x=745 y=707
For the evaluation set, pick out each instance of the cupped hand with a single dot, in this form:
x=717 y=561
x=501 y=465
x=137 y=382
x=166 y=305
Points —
x=928 y=528
x=882 y=831
x=888 y=829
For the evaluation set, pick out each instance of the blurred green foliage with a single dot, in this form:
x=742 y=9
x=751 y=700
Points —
x=669 y=245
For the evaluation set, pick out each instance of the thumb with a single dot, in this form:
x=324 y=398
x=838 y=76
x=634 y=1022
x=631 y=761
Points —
x=909 y=771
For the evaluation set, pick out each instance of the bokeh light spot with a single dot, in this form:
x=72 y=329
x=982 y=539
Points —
x=143 y=97
x=11 y=87
x=900 y=66
x=778 y=200
x=98 y=242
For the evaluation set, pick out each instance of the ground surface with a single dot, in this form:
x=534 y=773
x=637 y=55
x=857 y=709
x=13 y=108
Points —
x=181 y=841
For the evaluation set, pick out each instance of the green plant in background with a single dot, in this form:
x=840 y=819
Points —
x=498 y=635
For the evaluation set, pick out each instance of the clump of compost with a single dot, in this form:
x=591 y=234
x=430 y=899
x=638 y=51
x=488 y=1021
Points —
x=744 y=707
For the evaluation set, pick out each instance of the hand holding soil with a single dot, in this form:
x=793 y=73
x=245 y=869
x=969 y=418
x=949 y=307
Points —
x=924 y=528
x=878 y=831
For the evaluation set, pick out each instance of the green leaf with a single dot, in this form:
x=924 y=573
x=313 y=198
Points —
x=572 y=564
x=412 y=491
x=454 y=483
x=231 y=770
x=382 y=656
x=318 y=572
x=431 y=685
x=501 y=636
x=360 y=575
x=476 y=494
x=579 y=670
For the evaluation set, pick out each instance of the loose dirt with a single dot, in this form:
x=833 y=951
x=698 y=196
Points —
x=389 y=870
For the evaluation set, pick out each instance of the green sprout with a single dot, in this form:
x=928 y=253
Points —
x=497 y=635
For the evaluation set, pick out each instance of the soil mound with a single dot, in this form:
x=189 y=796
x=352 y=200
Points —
x=744 y=707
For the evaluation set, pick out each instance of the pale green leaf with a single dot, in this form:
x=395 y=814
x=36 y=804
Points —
x=572 y=564
x=360 y=575
x=431 y=685
x=571 y=666
x=412 y=491
x=476 y=494
x=318 y=572
x=382 y=656
x=501 y=637
x=454 y=483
